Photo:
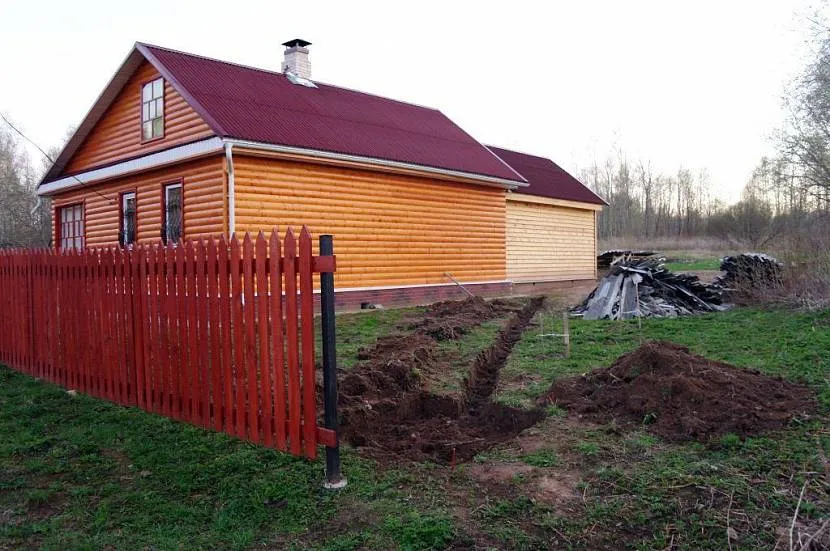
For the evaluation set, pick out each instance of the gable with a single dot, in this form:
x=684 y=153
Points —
x=116 y=136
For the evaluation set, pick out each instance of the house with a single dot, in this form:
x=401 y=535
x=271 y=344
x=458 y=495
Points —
x=182 y=146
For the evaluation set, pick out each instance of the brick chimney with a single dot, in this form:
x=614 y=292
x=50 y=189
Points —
x=296 y=58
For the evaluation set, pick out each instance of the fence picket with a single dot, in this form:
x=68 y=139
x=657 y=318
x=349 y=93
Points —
x=105 y=337
x=192 y=335
x=292 y=337
x=307 y=321
x=262 y=340
x=238 y=342
x=215 y=409
x=180 y=364
x=250 y=338
x=227 y=357
x=203 y=385
x=277 y=346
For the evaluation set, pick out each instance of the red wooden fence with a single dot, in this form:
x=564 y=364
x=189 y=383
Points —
x=199 y=332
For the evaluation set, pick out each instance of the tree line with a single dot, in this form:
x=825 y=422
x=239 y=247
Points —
x=786 y=201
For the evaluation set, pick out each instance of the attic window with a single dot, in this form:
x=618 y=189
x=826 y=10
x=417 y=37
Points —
x=152 y=110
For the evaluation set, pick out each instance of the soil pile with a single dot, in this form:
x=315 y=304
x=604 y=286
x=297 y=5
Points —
x=452 y=319
x=682 y=396
x=387 y=410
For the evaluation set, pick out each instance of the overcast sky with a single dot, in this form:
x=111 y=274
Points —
x=697 y=84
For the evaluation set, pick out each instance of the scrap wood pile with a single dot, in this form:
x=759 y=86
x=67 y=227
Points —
x=645 y=288
x=615 y=256
x=749 y=270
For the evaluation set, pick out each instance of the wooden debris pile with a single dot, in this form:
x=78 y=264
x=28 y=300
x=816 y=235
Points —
x=749 y=270
x=645 y=288
x=615 y=256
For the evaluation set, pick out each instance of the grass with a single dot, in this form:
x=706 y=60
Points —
x=360 y=330
x=693 y=264
x=79 y=473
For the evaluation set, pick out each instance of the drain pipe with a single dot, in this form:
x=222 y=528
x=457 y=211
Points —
x=231 y=190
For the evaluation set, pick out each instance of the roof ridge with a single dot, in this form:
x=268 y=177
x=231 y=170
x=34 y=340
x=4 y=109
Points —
x=278 y=73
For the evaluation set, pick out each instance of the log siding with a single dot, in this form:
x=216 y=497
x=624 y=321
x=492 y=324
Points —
x=389 y=229
x=117 y=136
x=547 y=242
x=204 y=199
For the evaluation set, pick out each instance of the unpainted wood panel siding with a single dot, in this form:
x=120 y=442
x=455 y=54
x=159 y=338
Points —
x=389 y=230
x=548 y=243
x=204 y=202
x=117 y=136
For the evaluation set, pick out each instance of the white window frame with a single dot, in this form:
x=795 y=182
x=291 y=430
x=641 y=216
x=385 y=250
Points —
x=76 y=241
x=126 y=196
x=167 y=188
x=152 y=109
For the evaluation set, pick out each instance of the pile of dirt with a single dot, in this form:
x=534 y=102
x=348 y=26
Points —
x=387 y=409
x=451 y=319
x=682 y=396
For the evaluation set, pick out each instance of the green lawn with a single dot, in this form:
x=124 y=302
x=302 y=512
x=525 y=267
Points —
x=78 y=473
x=693 y=264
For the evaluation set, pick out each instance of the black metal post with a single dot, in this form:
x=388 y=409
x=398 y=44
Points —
x=334 y=479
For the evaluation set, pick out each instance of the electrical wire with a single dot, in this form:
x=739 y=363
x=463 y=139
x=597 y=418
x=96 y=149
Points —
x=49 y=157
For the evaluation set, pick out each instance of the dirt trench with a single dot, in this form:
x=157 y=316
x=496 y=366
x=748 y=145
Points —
x=388 y=412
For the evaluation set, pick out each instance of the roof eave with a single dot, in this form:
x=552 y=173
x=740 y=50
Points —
x=316 y=154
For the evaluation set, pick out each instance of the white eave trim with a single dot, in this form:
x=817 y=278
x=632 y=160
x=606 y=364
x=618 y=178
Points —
x=153 y=160
x=216 y=144
x=343 y=157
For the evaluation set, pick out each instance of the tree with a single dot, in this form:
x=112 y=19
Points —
x=19 y=225
x=805 y=141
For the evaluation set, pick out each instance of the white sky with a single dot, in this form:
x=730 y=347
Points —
x=696 y=84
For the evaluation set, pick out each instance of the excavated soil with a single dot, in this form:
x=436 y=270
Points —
x=451 y=319
x=387 y=410
x=682 y=396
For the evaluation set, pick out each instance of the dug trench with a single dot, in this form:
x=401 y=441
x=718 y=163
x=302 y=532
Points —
x=389 y=411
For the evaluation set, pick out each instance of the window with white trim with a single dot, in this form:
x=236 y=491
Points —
x=173 y=229
x=128 y=219
x=71 y=229
x=152 y=110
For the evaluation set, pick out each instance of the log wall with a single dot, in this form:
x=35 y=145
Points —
x=203 y=182
x=390 y=230
x=549 y=242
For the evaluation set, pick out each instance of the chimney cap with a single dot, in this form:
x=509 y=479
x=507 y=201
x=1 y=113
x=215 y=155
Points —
x=296 y=42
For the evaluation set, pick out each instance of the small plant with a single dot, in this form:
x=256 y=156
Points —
x=555 y=411
x=587 y=448
x=541 y=458
x=730 y=441
x=416 y=531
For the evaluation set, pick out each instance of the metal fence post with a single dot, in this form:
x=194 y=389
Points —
x=334 y=480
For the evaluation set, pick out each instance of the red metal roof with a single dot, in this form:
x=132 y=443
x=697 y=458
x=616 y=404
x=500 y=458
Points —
x=546 y=178
x=263 y=106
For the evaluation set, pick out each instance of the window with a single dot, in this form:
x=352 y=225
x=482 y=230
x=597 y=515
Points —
x=172 y=230
x=71 y=228
x=126 y=235
x=152 y=110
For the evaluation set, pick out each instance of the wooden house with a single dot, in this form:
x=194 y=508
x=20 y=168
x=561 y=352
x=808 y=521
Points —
x=182 y=146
